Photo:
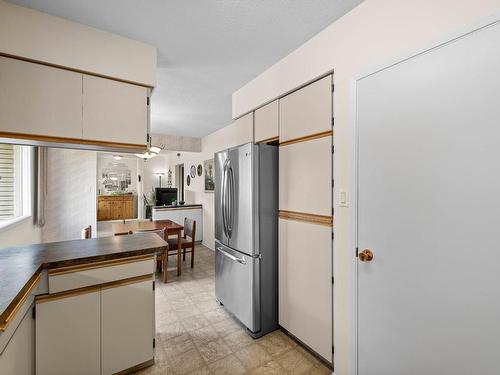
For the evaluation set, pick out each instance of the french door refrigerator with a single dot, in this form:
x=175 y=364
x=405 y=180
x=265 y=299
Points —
x=246 y=235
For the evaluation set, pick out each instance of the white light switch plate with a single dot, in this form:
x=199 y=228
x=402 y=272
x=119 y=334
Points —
x=342 y=202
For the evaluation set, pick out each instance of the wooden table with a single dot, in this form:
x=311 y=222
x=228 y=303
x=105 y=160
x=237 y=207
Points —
x=171 y=229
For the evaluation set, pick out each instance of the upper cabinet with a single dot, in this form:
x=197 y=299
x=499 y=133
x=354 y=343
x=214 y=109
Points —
x=39 y=100
x=40 y=103
x=114 y=111
x=267 y=122
x=307 y=111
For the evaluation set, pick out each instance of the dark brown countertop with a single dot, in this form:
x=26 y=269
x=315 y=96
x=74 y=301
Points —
x=20 y=265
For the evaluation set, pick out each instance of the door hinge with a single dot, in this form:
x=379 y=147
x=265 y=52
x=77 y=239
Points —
x=333 y=235
x=356 y=252
x=33 y=312
x=333 y=122
x=333 y=87
x=154 y=343
x=333 y=183
x=147 y=100
x=333 y=350
x=147 y=138
x=333 y=149
x=332 y=280
x=153 y=285
x=333 y=211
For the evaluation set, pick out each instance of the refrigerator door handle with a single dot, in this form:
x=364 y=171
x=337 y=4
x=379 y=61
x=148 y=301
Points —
x=224 y=198
x=241 y=260
x=231 y=199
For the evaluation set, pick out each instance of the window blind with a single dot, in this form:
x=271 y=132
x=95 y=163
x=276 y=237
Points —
x=7 y=183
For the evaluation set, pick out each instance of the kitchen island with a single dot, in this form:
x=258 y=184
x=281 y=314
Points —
x=90 y=303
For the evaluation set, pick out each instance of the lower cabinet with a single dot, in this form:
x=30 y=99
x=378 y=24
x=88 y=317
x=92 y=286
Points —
x=17 y=358
x=305 y=287
x=127 y=318
x=68 y=334
x=102 y=330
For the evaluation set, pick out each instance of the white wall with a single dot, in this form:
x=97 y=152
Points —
x=71 y=194
x=39 y=36
x=373 y=33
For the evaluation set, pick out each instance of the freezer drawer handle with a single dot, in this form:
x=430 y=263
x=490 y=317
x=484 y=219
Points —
x=232 y=257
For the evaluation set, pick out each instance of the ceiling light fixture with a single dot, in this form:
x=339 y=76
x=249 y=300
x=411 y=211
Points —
x=117 y=157
x=151 y=152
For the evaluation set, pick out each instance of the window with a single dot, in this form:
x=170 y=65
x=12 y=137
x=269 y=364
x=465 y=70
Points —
x=15 y=183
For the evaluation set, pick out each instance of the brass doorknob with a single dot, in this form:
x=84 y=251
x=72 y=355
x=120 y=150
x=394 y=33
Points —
x=366 y=255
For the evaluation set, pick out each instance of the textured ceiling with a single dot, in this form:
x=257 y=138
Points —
x=207 y=49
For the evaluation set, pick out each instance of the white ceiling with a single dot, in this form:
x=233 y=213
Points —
x=207 y=49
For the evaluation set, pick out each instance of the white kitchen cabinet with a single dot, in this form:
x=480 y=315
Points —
x=39 y=100
x=305 y=177
x=267 y=122
x=305 y=287
x=18 y=357
x=306 y=111
x=114 y=111
x=127 y=320
x=178 y=214
x=68 y=334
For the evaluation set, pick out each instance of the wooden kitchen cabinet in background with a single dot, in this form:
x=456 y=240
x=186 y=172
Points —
x=39 y=100
x=115 y=207
x=267 y=122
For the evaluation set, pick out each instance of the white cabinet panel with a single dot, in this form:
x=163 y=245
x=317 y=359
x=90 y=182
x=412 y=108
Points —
x=306 y=111
x=267 y=122
x=114 y=111
x=305 y=287
x=127 y=326
x=68 y=335
x=39 y=100
x=18 y=357
x=305 y=177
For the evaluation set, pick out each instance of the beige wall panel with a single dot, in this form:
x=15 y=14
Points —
x=114 y=111
x=40 y=100
x=305 y=286
x=18 y=357
x=80 y=279
x=127 y=326
x=68 y=335
x=305 y=177
x=39 y=36
x=267 y=122
x=306 y=111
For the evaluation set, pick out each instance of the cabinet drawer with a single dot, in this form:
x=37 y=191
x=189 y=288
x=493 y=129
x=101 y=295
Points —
x=74 y=277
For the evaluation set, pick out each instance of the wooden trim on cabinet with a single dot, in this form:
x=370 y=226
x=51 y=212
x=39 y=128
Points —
x=11 y=311
x=307 y=218
x=99 y=264
x=39 y=62
x=62 y=140
x=90 y=289
x=306 y=138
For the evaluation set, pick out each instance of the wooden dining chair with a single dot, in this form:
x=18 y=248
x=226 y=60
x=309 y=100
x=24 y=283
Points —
x=123 y=233
x=189 y=231
x=161 y=256
x=86 y=233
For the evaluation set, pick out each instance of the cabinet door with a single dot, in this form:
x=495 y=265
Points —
x=305 y=286
x=305 y=177
x=39 y=100
x=68 y=335
x=18 y=357
x=103 y=209
x=127 y=326
x=266 y=122
x=114 y=111
x=306 y=111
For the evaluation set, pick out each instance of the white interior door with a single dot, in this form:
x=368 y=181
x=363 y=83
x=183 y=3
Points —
x=428 y=207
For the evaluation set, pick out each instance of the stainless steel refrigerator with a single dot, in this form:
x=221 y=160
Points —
x=246 y=235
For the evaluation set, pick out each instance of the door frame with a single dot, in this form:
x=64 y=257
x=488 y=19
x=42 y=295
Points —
x=400 y=58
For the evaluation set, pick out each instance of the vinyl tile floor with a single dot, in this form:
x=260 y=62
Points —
x=194 y=335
